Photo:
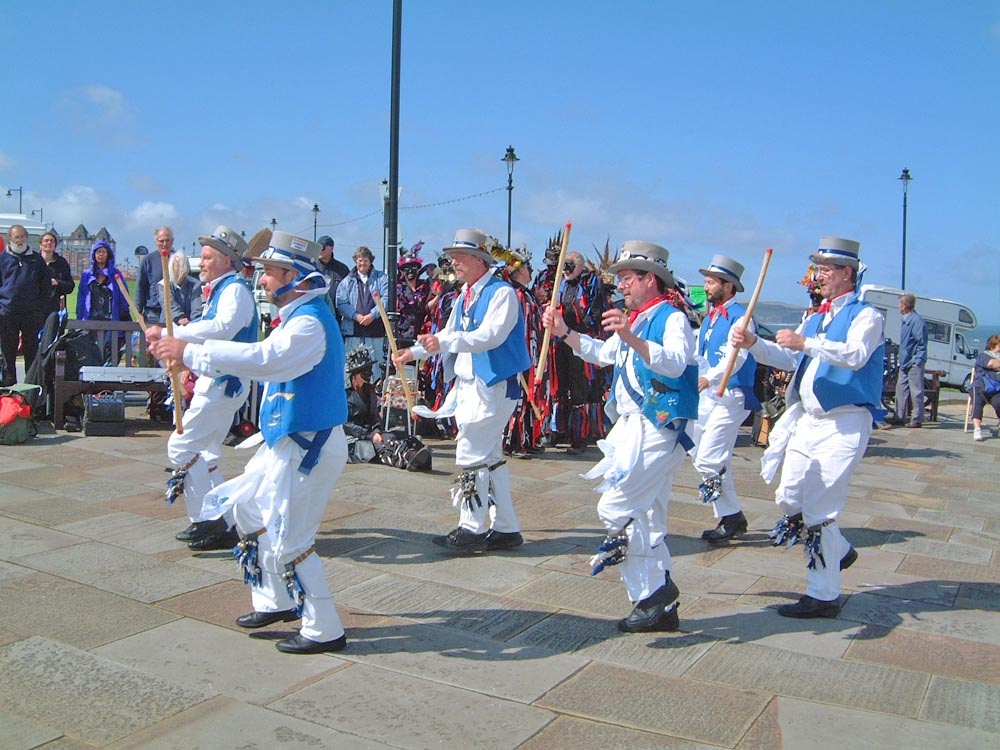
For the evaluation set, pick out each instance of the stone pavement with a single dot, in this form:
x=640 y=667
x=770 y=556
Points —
x=112 y=634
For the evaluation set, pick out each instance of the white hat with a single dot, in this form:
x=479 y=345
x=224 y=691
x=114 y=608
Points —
x=725 y=268
x=472 y=241
x=644 y=256
x=837 y=251
x=291 y=252
x=227 y=242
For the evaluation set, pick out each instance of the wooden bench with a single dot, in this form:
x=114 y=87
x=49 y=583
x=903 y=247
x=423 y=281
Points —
x=108 y=335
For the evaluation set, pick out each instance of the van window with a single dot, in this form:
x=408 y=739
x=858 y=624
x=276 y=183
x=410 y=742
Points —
x=964 y=316
x=938 y=331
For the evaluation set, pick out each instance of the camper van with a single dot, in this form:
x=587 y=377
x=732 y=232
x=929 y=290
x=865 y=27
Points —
x=948 y=349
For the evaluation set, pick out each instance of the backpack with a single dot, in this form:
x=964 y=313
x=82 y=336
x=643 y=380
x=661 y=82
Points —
x=16 y=424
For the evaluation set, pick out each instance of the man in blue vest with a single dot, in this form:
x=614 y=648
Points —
x=483 y=347
x=280 y=498
x=720 y=417
x=228 y=314
x=653 y=395
x=835 y=393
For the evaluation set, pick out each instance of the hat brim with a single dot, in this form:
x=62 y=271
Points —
x=482 y=254
x=635 y=264
x=222 y=247
x=725 y=276
x=833 y=260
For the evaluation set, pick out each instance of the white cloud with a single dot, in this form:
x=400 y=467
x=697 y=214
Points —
x=107 y=103
x=101 y=110
x=6 y=162
x=145 y=183
x=150 y=214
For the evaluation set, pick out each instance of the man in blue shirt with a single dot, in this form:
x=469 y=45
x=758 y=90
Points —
x=912 y=360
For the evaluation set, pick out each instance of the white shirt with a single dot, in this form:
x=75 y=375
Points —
x=234 y=312
x=714 y=374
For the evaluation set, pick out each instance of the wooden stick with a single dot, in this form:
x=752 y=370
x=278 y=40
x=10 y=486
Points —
x=131 y=304
x=731 y=364
x=175 y=376
x=392 y=348
x=553 y=303
x=527 y=396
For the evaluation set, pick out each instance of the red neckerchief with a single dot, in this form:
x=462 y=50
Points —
x=633 y=314
x=276 y=322
x=716 y=312
x=206 y=292
x=827 y=305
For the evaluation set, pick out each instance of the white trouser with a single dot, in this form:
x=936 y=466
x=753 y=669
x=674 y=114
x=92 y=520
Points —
x=206 y=423
x=819 y=462
x=642 y=498
x=715 y=434
x=292 y=527
x=479 y=442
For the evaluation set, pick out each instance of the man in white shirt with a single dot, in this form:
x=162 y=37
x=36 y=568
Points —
x=654 y=394
x=229 y=314
x=483 y=347
x=834 y=396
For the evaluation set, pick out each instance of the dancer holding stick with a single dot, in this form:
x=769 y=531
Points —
x=553 y=303
x=746 y=318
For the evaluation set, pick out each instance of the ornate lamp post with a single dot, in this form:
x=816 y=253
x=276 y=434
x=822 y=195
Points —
x=41 y=215
x=274 y=225
x=510 y=157
x=20 y=195
x=905 y=177
x=315 y=210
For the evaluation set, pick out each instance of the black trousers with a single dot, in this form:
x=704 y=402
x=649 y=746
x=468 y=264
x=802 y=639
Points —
x=12 y=325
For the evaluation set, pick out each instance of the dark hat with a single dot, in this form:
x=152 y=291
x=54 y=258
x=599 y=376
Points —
x=644 y=256
x=357 y=360
x=325 y=240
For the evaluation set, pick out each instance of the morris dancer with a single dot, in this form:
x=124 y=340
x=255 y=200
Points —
x=483 y=345
x=720 y=417
x=229 y=314
x=837 y=354
x=280 y=498
x=654 y=393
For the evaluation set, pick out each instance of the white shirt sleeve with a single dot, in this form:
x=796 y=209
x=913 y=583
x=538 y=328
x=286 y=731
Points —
x=234 y=312
x=498 y=321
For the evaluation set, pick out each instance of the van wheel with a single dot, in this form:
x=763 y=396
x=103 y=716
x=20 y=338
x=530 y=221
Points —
x=967 y=384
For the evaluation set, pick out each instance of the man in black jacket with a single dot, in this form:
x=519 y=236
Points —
x=24 y=288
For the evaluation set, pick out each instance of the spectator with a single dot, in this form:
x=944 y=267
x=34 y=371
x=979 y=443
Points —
x=912 y=360
x=986 y=385
x=59 y=272
x=185 y=291
x=147 y=293
x=25 y=287
x=330 y=266
x=100 y=298
x=359 y=317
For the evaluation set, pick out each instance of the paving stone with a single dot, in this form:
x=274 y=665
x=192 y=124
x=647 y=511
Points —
x=989 y=542
x=947 y=571
x=978 y=596
x=200 y=656
x=53 y=511
x=967 y=704
x=566 y=733
x=39 y=604
x=407 y=712
x=658 y=653
x=876 y=609
x=19 y=539
x=223 y=724
x=440 y=655
x=575 y=592
x=962 y=553
x=9 y=635
x=898 y=586
x=9 y=571
x=151 y=504
x=921 y=652
x=93 y=490
x=128 y=530
x=867 y=686
x=712 y=582
x=910 y=528
x=23 y=734
x=674 y=706
x=947 y=518
x=121 y=571
x=823 y=727
x=92 y=698
x=490 y=574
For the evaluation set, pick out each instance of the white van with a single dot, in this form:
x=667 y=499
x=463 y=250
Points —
x=948 y=349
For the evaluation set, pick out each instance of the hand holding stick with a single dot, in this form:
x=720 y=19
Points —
x=553 y=302
x=527 y=396
x=731 y=364
x=175 y=375
x=392 y=347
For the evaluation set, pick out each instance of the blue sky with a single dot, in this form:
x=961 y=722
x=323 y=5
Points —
x=704 y=126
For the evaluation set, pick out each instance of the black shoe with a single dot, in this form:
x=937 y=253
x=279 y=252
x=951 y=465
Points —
x=462 y=540
x=575 y=450
x=299 y=644
x=807 y=607
x=650 y=615
x=188 y=534
x=915 y=425
x=263 y=619
x=894 y=420
x=201 y=529
x=848 y=560
x=729 y=527
x=498 y=540
x=220 y=540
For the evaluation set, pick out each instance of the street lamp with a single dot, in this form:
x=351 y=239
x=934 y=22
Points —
x=41 y=215
x=274 y=225
x=20 y=195
x=315 y=211
x=905 y=177
x=510 y=157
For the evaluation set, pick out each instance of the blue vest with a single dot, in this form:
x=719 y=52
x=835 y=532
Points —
x=839 y=386
x=511 y=357
x=316 y=400
x=247 y=334
x=664 y=400
x=713 y=337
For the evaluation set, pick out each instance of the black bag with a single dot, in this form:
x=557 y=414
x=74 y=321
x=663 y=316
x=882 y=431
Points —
x=81 y=351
